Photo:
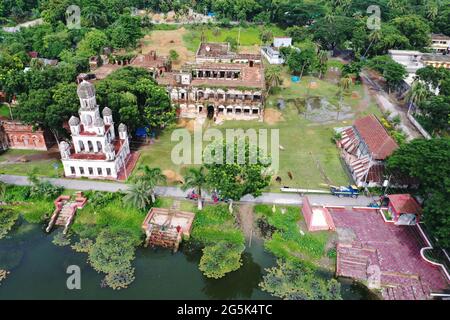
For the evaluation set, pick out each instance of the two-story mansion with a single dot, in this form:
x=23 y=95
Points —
x=227 y=90
x=95 y=152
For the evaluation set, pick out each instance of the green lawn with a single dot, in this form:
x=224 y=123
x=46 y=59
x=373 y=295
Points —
x=249 y=36
x=305 y=143
x=41 y=167
x=287 y=242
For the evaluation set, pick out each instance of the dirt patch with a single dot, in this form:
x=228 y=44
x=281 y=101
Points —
x=172 y=176
x=245 y=218
x=250 y=49
x=272 y=116
x=187 y=124
x=162 y=41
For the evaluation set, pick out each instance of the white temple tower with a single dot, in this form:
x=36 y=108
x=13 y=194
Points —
x=95 y=151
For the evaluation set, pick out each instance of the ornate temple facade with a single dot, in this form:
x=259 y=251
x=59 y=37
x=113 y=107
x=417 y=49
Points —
x=220 y=85
x=96 y=151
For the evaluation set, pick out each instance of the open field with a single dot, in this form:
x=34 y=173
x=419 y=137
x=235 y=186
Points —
x=249 y=36
x=162 y=41
x=10 y=163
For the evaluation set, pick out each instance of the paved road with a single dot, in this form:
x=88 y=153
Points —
x=174 y=192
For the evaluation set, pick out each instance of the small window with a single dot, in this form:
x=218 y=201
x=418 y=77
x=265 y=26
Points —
x=72 y=170
x=99 y=171
x=91 y=171
x=81 y=170
x=108 y=171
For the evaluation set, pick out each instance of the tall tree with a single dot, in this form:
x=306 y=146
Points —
x=195 y=178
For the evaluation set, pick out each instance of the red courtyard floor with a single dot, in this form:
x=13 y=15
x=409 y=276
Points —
x=368 y=240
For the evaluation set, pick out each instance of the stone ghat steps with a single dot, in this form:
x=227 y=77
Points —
x=354 y=259
x=405 y=292
x=397 y=286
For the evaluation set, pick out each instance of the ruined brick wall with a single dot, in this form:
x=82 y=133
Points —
x=21 y=136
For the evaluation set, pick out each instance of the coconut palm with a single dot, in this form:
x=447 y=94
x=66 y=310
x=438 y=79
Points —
x=195 y=178
x=417 y=94
x=151 y=177
x=374 y=36
x=139 y=195
x=432 y=9
x=272 y=76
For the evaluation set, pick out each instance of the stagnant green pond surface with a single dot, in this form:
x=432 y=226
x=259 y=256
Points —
x=38 y=271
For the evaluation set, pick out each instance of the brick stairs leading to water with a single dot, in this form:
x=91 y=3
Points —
x=354 y=259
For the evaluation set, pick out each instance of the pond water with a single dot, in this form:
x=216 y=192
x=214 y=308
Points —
x=38 y=271
x=321 y=110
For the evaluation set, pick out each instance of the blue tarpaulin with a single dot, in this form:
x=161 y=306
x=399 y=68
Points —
x=295 y=79
x=141 y=132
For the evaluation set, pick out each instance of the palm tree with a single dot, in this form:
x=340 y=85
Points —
x=273 y=78
x=432 y=9
x=139 y=195
x=417 y=94
x=323 y=62
x=374 y=36
x=151 y=177
x=195 y=178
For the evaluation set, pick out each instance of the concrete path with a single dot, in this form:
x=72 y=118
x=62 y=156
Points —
x=175 y=192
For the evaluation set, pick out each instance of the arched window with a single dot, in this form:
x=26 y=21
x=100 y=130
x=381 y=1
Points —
x=99 y=146
x=81 y=145
x=90 y=146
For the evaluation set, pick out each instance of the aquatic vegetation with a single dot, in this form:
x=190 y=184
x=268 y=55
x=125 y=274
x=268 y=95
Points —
x=215 y=228
x=120 y=280
x=295 y=281
x=83 y=245
x=61 y=240
x=112 y=253
x=220 y=259
x=7 y=220
x=10 y=257
x=3 y=275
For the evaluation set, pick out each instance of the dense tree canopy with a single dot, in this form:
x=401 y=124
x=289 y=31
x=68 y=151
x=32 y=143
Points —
x=427 y=161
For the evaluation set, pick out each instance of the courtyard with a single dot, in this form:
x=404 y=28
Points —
x=367 y=243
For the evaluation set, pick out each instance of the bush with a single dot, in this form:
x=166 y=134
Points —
x=220 y=259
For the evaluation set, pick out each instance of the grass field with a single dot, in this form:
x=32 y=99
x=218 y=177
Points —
x=248 y=36
x=309 y=152
x=41 y=167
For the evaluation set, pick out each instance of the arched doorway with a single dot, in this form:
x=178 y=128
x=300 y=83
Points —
x=210 y=112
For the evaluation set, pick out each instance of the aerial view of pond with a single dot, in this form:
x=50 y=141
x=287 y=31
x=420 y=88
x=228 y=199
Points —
x=38 y=271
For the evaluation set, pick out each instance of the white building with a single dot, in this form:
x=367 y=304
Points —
x=272 y=53
x=96 y=152
x=440 y=43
